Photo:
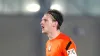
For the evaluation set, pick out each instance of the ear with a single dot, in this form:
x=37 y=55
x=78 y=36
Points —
x=55 y=23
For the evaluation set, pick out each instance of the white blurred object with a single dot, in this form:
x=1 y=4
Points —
x=71 y=52
x=56 y=6
x=32 y=7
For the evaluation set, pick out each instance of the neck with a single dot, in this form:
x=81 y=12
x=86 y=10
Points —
x=53 y=34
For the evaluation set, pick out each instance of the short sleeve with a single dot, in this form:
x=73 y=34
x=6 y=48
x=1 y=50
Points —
x=69 y=48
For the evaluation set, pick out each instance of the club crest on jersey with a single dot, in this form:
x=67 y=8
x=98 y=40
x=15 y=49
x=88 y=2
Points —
x=71 y=52
x=49 y=48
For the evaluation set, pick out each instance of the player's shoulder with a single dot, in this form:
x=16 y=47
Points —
x=65 y=37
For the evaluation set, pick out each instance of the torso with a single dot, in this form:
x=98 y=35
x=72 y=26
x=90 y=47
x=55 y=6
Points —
x=54 y=47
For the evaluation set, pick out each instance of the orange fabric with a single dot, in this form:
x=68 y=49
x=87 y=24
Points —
x=56 y=47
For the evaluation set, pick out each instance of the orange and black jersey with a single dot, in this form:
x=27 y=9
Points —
x=62 y=45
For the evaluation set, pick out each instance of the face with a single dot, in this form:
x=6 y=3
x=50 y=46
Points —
x=47 y=23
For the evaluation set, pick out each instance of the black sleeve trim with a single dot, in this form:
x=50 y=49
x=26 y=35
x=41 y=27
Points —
x=68 y=45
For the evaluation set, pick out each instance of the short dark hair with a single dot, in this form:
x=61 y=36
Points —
x=57 y=15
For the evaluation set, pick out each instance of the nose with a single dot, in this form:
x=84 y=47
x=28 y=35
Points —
x=41 y=22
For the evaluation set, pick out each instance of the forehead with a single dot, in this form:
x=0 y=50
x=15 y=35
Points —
x=46 y=16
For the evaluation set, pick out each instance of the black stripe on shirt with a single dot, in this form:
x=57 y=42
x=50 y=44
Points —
x=68 y=45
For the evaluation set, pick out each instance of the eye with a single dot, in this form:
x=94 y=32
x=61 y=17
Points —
x=45 y=20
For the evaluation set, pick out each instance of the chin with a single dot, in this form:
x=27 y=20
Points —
x=44 y=32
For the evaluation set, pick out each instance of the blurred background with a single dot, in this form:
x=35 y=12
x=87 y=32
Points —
x=20 y=31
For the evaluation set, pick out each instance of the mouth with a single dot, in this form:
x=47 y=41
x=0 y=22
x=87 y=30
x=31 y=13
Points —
x=42 y=27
